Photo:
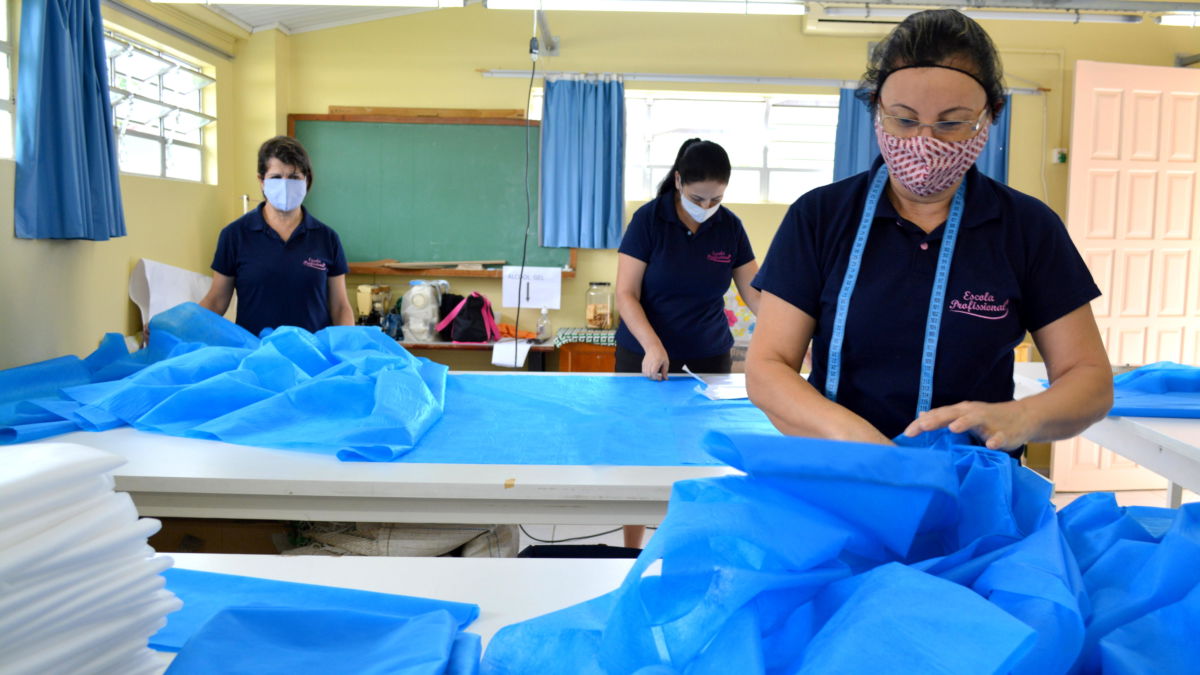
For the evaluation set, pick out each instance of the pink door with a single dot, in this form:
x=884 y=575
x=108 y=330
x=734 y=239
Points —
x=1133 y=212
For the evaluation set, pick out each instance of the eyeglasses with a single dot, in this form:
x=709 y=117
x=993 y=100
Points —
x=952 y=129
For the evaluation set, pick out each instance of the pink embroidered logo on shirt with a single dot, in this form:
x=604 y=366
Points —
x=980 y=305
x=316 y=264
x=720 y=257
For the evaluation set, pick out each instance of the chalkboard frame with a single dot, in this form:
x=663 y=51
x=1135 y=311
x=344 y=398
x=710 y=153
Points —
x=423 y=116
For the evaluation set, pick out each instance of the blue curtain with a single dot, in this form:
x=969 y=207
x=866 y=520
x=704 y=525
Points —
x=855 y=147
x=67 y=181
x=583 y=163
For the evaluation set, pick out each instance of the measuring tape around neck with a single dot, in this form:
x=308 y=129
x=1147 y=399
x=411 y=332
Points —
x=937 y=297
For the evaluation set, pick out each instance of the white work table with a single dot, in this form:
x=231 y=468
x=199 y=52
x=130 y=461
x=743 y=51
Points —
x=170 y=476
x=1167 y=446
x=507 y=590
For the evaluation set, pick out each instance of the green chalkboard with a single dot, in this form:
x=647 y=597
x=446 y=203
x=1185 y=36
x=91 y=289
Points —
x=426 y=192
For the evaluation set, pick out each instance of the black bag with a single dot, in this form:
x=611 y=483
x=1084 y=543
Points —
x=471 y=320
x=449 y=302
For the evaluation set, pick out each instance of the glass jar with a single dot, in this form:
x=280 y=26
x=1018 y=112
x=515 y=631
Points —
x=598 y=305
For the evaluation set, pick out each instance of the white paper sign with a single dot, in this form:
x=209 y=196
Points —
x=156 y=287
x=509 y=353
x=539 y=287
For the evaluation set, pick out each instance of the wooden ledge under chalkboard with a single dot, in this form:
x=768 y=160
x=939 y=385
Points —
x=382 y=267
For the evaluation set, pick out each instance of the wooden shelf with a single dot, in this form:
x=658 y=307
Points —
x=377 y=267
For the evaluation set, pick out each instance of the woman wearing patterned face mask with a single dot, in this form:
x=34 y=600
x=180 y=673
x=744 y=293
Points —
x=674 y=266
x=915 y=280
x=288 y=268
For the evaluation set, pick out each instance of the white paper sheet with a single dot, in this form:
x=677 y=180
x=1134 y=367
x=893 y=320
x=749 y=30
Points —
x=156 y=287
x=539 y=287
x=721 y=387
x=509 y=353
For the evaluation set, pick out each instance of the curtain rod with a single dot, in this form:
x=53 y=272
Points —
x=727 y=79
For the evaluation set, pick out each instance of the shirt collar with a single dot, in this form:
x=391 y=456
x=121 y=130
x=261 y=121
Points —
x=981 y=204
x=258 y=221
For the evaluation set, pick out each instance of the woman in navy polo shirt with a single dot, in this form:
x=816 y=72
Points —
x=675 y=263
x=915 y=280
x=288 y=268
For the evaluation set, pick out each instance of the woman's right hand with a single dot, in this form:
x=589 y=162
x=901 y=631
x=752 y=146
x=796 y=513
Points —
x=656 y=363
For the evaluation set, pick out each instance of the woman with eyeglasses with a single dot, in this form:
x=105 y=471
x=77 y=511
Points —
x=915 y=280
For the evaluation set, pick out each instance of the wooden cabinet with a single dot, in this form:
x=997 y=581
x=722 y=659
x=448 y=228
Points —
x=585 y=357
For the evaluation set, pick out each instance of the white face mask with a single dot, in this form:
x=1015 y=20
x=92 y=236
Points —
x=697 y=212
x=285 y=194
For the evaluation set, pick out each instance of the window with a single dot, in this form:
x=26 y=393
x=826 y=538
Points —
x=780 y=146
x=158 y=105
x=7 y=109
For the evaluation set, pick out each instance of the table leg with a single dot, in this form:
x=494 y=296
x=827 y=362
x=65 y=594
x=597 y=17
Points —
x=1174 y=495
x=536 y=361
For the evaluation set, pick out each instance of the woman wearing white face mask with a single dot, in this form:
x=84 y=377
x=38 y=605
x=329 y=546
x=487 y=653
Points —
x=288 y=268
x=915 y=280
x=675 y=263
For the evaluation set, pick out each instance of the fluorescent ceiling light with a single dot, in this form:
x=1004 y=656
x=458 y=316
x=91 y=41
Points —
x=792 y=7
x=325 y=3
x=870 y=12
x=1188 y=19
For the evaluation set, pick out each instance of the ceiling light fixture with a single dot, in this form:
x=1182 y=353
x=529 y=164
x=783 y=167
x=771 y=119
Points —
x=1187 y=19
x=1063 y=16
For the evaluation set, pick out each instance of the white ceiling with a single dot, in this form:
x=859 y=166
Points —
x=298 y=19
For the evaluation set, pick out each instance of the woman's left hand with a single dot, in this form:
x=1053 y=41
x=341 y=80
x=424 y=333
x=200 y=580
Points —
x=1002 y=426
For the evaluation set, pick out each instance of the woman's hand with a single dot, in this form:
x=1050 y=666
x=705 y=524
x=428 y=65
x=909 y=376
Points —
x=656 y=363
x=1002 y=426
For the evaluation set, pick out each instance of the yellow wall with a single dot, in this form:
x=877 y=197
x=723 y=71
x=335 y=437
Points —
x=63 y=295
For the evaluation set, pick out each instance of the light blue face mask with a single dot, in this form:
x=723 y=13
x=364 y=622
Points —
x=285 y=194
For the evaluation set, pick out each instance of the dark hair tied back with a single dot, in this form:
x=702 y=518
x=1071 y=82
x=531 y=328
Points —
x=697 y=161
x=935 y=37
x=287 y=150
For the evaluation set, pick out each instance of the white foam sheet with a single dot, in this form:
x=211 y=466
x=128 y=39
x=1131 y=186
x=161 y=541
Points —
x=61 y=500
x=156 y=287
x=31 y=601
x=69 y=538
x=34 y=470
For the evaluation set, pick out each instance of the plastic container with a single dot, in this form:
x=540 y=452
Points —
x=598 y=305
x=543 y=326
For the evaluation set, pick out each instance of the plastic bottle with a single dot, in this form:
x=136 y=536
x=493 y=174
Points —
x=543 y=326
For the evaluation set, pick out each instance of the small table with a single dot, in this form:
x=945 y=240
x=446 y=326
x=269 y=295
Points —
x=537 y=353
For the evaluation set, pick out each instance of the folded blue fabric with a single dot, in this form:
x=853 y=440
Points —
x=792 y=564
x=1162 y=389
x=204 y=594
x=291 y=641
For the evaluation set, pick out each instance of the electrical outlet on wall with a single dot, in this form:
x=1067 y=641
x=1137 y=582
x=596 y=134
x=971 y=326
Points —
x=1058 y=156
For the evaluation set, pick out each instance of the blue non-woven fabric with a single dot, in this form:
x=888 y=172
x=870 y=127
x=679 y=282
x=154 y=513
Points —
x=795 y=561
x=580 y=419
x=204 y=594
x=347 y=390
x=292 y=641
x=1140 y=570
x=1162 y=389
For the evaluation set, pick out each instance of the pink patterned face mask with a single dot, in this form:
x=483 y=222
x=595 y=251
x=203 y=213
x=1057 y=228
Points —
x=926 y=165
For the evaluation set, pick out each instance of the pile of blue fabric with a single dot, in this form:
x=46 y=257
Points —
x=233 y=624
x=346 y=388
x=1163 y=389
x=852 y=558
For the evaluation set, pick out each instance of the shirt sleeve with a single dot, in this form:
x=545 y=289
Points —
x=637 y=242
x=745 y=252
x=1057 y=281
x=337 y=256
x=791 y=270
x=225 y=258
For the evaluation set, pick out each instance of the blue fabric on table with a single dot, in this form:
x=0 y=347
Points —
x=293 y=641
x=348 y=390
x=580 y=419
x=1141 y=573
x=790 y=566
x=204 y=594
x=1162 y=389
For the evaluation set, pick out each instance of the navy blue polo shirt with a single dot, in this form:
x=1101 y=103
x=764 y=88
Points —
x=1014 y=270
x=683 y=289
x=278 y=283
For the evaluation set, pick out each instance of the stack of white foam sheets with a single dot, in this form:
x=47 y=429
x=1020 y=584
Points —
x=80 y=589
